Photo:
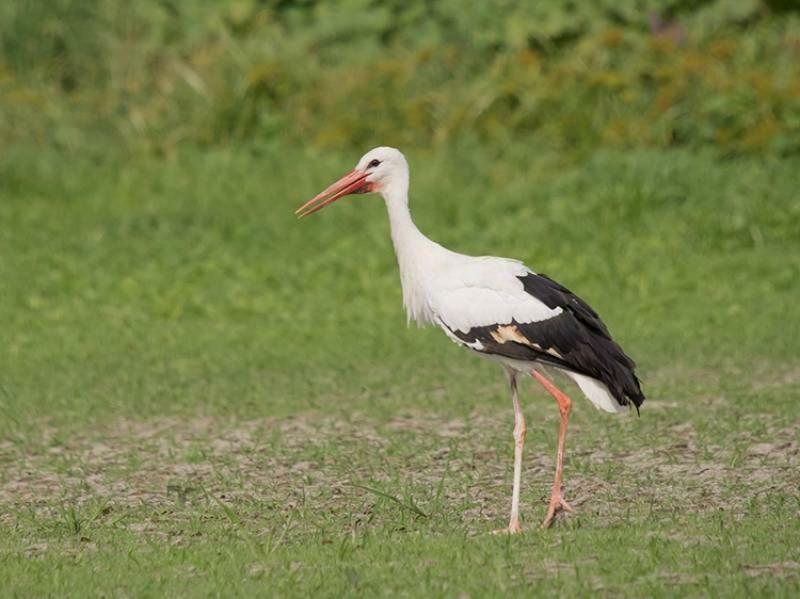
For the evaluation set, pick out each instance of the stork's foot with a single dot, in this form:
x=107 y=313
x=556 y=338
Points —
x=513 y=528
x=557 y=504
x=509 y=530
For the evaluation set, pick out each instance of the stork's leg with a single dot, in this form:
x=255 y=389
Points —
x=564 y=405
x=519 y=444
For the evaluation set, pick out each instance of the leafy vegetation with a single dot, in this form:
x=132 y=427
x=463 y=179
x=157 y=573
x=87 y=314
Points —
x=564 y=74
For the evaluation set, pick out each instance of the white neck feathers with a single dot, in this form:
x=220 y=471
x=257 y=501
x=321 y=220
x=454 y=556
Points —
x=417 y=256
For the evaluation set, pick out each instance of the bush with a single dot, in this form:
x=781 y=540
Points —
x=154 y=74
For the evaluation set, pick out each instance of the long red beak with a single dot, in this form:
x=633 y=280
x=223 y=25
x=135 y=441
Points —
x=353 y=182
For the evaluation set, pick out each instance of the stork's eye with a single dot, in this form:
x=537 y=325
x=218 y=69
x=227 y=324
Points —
x=374 y=163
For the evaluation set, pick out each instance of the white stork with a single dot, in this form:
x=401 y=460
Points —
x=499 y=309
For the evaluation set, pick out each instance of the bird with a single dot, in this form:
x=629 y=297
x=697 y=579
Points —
x=499 y=309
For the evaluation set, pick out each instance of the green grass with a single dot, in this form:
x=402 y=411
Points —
x=203 y=396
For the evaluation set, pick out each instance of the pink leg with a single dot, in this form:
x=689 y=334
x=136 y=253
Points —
x=564 y=405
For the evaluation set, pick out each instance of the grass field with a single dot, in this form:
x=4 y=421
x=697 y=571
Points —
x=202 y=396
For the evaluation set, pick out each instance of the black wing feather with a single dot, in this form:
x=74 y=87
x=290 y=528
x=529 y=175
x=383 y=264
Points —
x=580 y=339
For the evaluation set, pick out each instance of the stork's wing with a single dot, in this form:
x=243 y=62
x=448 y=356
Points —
x=515 y=313
x=486 y=291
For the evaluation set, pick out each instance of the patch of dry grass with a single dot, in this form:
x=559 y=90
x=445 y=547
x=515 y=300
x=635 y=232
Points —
x=323 y=464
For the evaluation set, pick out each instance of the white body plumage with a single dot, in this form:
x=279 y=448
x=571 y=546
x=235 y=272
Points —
x=458 y=292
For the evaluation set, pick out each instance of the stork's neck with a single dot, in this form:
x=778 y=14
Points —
x=417 y=256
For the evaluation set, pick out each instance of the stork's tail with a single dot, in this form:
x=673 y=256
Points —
x=599 y=394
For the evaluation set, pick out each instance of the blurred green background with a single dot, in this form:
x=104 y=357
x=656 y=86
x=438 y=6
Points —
x=151 y=76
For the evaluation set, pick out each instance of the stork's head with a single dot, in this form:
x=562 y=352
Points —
x=382 y=170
